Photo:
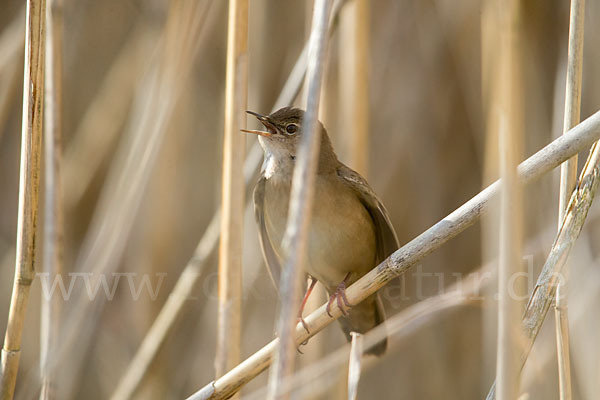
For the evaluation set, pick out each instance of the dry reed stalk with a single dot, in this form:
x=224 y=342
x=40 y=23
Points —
x=568 y=171
x=352 y=97
x=315 y=379
x=354 y=77
x=568 y=178
x=301 y=200
x=229 y=321
x=510 y=135
x=548 y=280
x=173 y=307
x=31 y=141
x=53 y=218
x=354 y=365
x=552 y=155
x=561 y=322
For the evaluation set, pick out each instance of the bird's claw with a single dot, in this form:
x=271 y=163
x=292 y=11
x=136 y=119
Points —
x=301 y=344
x=304 y=324
x=340 y=297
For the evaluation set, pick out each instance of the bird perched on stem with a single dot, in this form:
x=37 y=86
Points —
x=350 y=230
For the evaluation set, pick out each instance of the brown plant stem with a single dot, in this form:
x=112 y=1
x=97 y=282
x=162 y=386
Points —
x=509 y=124
x=229 y=321
x=31 y=143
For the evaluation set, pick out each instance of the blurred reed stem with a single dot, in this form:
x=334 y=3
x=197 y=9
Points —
x=352 y=117
x=354 y=76
x=551 y=156
x=354 y=364
x=295 y=237
x=510 y=137
x=568 y=178
x=229 y=320
x=53 y=216
x=31 y=143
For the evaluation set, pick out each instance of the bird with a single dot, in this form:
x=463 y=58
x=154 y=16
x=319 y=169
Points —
x=350 y=231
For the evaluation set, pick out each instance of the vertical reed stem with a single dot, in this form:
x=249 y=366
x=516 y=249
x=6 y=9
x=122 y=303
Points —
x=568 y=179
x=354 y=73
x=354 y=365
x=510 y=130
x=232 y=203
x=53 y=221
x=31 y=138
x=301 y=199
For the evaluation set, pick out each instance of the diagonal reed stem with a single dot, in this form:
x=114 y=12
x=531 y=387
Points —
x=533 y=168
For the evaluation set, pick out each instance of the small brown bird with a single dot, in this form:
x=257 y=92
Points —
x=350 y=230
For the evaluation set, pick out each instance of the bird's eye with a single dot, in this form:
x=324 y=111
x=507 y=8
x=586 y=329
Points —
x=291 y=128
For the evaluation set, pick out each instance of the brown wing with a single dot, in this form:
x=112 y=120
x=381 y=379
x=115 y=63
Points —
x=271 y=259
x=387 y=240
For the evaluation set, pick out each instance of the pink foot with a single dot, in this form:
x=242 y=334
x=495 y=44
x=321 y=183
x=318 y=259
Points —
x=340 y=297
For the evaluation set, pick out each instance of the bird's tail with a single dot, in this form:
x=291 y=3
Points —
x=364 y=317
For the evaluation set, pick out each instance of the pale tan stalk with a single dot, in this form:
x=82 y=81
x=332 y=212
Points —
x=301 y=201
x=568 y=171
x=354 y=365
x=353 y=109
x=354 y=76
x=407 y=256
x=510 y=135
x=229 y=321
x=53 y=217
x=568 y=178
x=31 y=143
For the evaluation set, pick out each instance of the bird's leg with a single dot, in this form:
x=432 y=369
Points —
x=313 y=282
x=340 y=295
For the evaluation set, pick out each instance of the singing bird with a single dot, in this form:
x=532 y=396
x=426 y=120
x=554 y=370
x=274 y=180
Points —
x=350 y=230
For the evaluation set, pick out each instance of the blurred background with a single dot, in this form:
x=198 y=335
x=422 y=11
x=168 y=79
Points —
x=143 y=117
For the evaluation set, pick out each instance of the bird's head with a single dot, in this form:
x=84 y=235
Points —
x=283 y=130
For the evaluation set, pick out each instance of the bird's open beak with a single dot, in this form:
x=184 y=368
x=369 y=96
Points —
x=265 y=121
